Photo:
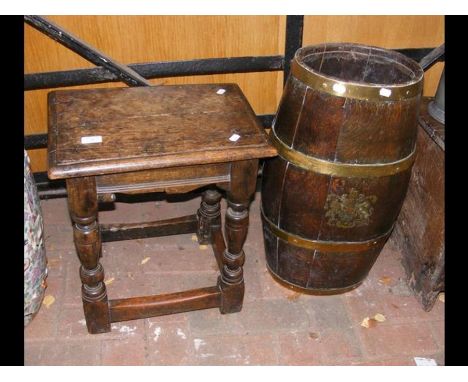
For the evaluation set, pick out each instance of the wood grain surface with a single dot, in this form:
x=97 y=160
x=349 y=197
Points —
x=420 y=229
x=145 y=128
x=306 y=211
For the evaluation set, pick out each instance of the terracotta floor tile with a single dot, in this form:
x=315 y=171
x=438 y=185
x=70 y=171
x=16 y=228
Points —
x=33 y=353
x=169 y=343
x=272 y=316
x=396 y=309
x=228 y=350
x=72 y=325
x=394 y=361
x=438 y=332
x=55 y=211
x=210 y=321
x=44 y=324
x=338 y=346
x=64 y=353
x=275 y=327
x=123 y=352
x=58 y=239
x=171 y=282
x=387 y=339
x=328 y=312
x=299 y=348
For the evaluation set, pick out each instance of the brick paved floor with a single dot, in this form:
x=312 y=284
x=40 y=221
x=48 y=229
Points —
x=276 y=326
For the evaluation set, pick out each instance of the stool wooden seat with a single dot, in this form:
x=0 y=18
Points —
x=170 y=139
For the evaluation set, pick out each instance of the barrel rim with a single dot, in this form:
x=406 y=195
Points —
x=352 y=89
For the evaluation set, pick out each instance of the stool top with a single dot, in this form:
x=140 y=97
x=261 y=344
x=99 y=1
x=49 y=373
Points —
x=105 y=131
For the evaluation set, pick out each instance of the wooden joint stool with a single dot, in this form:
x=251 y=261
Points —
x=171 y=139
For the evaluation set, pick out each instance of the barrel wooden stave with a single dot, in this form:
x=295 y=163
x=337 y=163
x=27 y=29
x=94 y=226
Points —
x=328 y=207
x=328 y=127
x=312 y=130
x=297 y=201
x=317 y=271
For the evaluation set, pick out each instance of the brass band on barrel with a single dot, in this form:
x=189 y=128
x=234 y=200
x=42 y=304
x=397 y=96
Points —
x=326 y=167
x=324 y=246
x=353 y=89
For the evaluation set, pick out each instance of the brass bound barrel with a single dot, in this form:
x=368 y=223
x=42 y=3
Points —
x=345 y=131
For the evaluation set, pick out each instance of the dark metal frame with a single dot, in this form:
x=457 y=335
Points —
x=55 y=32
x=138 y=74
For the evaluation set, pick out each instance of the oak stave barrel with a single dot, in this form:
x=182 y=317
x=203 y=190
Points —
x=345 y=131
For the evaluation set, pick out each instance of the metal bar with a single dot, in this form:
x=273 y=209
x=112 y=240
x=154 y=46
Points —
x=416 y=53
x=46 y=80
x=52 y=193
x=35 y=141
x=294 y=29
x=47 y=188
x=41 y=179
x=432 y=57
x=436 y=107
x=54 y=31
x=266 y=119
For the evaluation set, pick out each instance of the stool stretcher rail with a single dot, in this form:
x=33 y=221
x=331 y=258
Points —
x=175 y=226
x=150 y=306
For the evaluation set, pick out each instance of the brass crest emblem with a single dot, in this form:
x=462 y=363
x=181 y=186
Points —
x=349 y=210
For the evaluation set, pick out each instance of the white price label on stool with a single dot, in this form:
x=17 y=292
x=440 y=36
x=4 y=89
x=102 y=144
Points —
x=234 y=137
x=91 y=139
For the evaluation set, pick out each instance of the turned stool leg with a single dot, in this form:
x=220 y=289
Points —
x=208 y=215
x=231 y=281
x=82 y=204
